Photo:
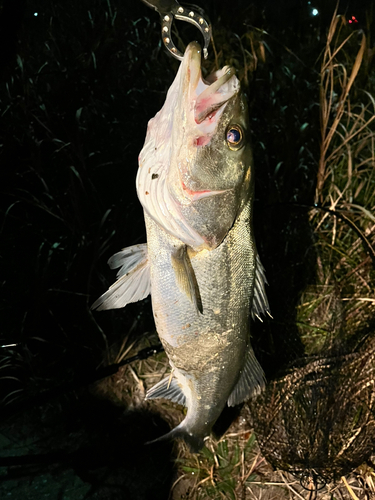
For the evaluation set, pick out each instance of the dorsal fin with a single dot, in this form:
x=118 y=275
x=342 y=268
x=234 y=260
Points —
x=260 y=303
x=133 y=282
x=185 y=277
x=251 y=380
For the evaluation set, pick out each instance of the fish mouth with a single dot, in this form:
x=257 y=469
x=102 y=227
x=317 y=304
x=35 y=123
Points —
x=206 y=98
x=202 y=104
x=172 y=184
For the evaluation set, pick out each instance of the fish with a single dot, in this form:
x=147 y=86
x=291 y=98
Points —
x=200 y=264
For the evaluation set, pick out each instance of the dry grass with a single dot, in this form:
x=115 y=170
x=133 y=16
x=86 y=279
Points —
x=342 y=299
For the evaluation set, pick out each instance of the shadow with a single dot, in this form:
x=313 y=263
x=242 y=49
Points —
x=288 y=255
x=227 y=417
x=95 y=443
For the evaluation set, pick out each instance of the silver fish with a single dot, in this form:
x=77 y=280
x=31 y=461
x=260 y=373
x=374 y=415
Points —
x=200 y=263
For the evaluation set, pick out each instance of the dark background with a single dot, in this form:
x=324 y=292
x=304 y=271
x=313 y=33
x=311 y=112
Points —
x=79 y=82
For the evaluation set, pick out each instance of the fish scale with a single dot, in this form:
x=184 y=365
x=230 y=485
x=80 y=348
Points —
x=228 y=290
x=195 y=182
x=221 y=335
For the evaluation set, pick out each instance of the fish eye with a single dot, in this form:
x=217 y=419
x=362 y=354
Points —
x=234 y=137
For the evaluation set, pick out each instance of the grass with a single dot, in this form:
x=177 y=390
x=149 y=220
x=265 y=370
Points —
x=67 y=103
x=346 y=186
x=223 y=469
x=321 y=412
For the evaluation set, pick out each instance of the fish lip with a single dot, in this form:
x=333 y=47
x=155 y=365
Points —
x=214 y=92
x=202 y=104
x=199 y=194
x=192 y=68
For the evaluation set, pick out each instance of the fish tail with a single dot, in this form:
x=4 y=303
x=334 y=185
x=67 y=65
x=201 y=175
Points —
x=194 y=442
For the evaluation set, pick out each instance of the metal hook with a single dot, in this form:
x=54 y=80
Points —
x=170 y=9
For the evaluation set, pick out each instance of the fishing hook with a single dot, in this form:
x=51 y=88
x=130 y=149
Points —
x=170 y=9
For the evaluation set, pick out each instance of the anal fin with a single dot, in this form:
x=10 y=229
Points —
x=169 y=389
x=185 y=277
x=251 y=380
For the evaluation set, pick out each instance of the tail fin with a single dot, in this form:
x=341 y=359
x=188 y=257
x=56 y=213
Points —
x=194 y=442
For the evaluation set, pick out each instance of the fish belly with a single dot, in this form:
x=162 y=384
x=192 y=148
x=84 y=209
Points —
x=207 y=351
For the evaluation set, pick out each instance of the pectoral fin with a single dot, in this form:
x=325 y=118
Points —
x=169 y=389
x=185 y=277
x=133 y=282
x=251 y=380
x=260 y=302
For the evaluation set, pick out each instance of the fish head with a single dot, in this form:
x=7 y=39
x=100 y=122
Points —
x=202 y=155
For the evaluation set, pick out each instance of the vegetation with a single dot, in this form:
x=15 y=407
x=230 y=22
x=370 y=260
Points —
x=346 y=186
x=75 y=100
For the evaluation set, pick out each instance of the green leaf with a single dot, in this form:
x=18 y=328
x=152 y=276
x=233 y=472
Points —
x=78 y=114
x=228 y=488
x=208 y=454
x=20 y=62
x=250 y=443
x=278 y=166
x=236 y=454
x=222 y=449
x=190 y=469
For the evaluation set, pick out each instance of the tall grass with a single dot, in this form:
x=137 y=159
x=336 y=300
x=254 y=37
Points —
x=343 y=299
x=320 y=416
x=68 y=149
